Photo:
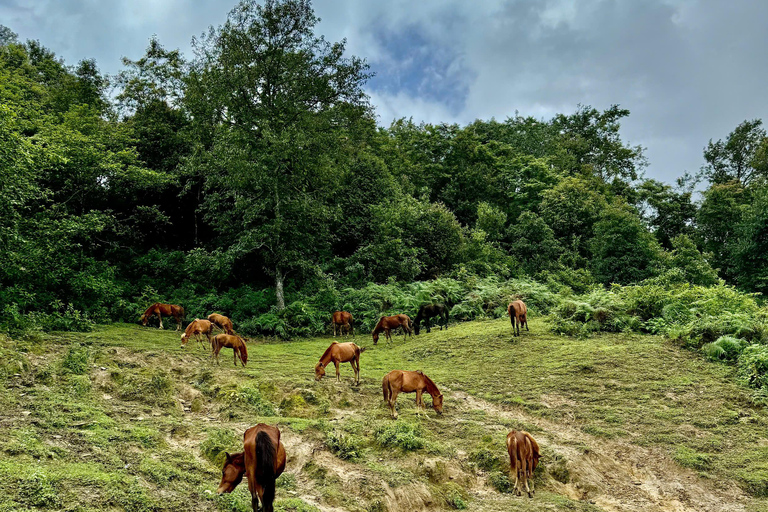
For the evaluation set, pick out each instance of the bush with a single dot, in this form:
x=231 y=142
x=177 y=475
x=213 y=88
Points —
x=403 y=435
x=726 y=348
x=250 y=398
x=216 y=443
x=76 y=361
x=753 y=366
x=344 y=446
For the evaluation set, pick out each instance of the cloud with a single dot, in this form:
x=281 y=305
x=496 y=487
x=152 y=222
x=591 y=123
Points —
x=688 y=70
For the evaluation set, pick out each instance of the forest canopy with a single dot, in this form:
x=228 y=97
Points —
x=254 y=171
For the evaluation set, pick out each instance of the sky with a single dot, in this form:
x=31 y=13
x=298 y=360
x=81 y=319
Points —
x=688 y=70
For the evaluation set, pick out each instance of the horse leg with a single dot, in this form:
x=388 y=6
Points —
x=159 y=316
x=526 y=322
x=356 y=367
x=334 y=329
x=428 y=321
x=392 y=403
x=338 y=377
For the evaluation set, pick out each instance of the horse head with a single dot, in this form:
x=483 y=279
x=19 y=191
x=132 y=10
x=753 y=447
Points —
x=375 y=338
x=437 y=403
x=232 y=473
x=184 y=340
x=319 y=371
x=144 y=319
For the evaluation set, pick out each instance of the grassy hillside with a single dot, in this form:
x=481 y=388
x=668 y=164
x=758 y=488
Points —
x=124 y=419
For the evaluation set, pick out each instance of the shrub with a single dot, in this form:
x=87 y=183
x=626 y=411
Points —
x=726 y=348
x=344 y=446
x=216 y=443
x=251 y=398
x=403 y=435
x=753 y=366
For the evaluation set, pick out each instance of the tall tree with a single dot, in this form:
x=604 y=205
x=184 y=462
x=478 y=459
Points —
x=735 y=157
x=270 y=100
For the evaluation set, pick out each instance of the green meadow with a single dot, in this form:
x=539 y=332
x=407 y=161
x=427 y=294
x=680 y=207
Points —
x=123 y=418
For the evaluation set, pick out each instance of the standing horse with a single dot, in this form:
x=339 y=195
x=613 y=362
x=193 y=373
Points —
x=159 y=309
x=344 y=321
x=518 y=315
x=340 y=353
x=222 y=322
x=399 y=381
x=387 y=323
x=429 y=311
x=523 y=458
x=236 y=343
x=261 y=462
x=197 y=328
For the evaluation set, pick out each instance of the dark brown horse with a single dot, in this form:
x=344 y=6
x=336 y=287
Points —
x=399 y=381
x=344 y=321
x=236 y=343
x=523 y=458
x=340 y=353
x=261 y=462
x=222 y=322
x=518 y=315
x=197 y=328
x=387 y=323
x=428 y=312
x=161 y=310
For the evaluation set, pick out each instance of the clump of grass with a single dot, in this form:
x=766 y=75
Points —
x=216 y=443
x=403 y=435
x=344 y=446
x=76 y=360
x=250 y=398
x=689 y=458
x=500 y=481
x=726 y=348
x=160 y=472
x=79 y=385
x=485 y=458
x=38 y=490
x=452 y=495
x=154 y=388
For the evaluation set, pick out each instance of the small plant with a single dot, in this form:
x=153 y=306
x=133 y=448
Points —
x=403 y=435
x=344 y=446
x=726 y=348
x=218 y=442
x=76 y=360
x=251 y=398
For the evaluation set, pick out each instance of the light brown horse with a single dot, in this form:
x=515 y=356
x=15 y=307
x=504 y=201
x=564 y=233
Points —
x=340 y=353
x=518 y=315
x=387 y=323
x=197 y=328
x=523 y=458
x=261 y=462
x=344 y=321
x=399 y=381
x=161 y=310
x=236 y=343
x=222 y=322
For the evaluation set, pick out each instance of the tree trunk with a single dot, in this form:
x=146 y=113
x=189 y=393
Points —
x=279 y=289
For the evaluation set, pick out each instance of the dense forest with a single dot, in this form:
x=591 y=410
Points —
x=252 y=177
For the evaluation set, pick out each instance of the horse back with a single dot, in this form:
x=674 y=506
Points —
x=249 y=443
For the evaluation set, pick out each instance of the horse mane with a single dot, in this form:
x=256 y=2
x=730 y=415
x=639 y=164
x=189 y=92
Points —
x=378 y=327
x=243 y=351
x=431 y=386
x=150 y=308
x=328 y=350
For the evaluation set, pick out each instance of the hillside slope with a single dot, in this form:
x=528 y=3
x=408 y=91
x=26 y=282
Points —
x=123 y=418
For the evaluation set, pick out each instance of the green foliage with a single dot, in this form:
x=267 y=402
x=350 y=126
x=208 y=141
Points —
x=76 y=360
x=689 y=458
x=343 y=445
x=753 y=366
x=216 y=443
x=250 y=399
x=405 y=436
x=726 y=348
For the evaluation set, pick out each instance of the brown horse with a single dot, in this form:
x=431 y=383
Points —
x=340 y=353
x=523 y=458
x=197 y=328
x=261 y=462
x=427 y=312
x=399 y=381
x=518 y=315
x=236 y=343
x=387 y=323
x=344 y=321
x=222 y=322
x=159 y=309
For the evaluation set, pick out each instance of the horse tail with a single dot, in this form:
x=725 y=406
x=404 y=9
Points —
x=385 y=388
x=266 y=455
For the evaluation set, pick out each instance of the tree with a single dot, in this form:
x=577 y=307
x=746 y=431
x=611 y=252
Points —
x=269 y=101
x=735 y=158
x=533 y=244
x=694 y=266
x=668 y=212
x=751 y=247
x=623 y=251
x=718 y=218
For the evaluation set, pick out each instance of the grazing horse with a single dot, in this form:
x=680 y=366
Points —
x=236 y=343
x=197 y=328
x=340 y=353
x=261 y=462
x=159 y=309
x=523 y=458
x=222 y=322
x=344 y=321
x=518 y=315
x=387 y=323
x=399 y=381
x=429 y=311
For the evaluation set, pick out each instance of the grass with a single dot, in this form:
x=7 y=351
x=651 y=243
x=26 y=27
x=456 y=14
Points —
x=123 y=418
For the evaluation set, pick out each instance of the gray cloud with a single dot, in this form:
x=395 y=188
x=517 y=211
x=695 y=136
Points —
x=688 y=70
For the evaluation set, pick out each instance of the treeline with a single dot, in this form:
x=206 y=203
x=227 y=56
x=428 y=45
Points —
x=251 y=177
